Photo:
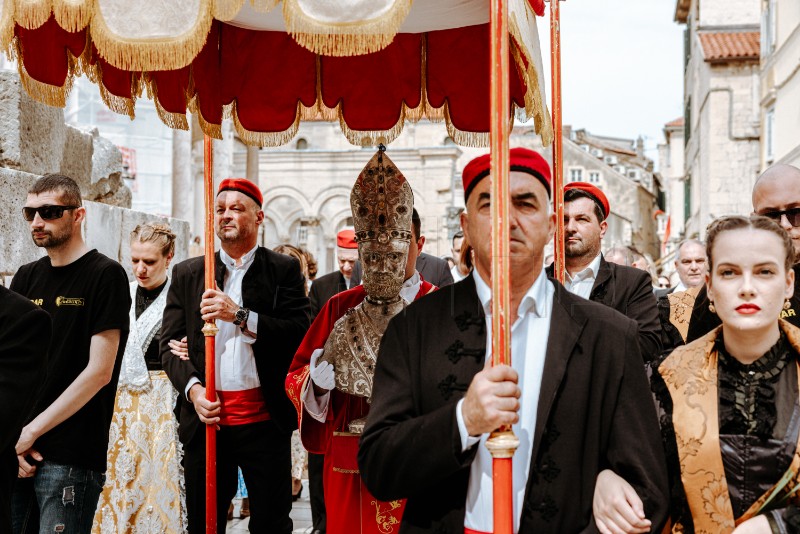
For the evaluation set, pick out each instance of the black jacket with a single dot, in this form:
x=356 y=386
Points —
x=434 y=270
x=25 y=332
x=324 y=287
x=273 y=287
x=629 y=291
x=595 y=411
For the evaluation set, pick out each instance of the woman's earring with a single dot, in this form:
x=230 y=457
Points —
x=711 y=308
x=787 y=304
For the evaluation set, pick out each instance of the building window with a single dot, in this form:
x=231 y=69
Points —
x=594 y=177
x=769 y=135
x=302 y=144
x=575 y=175
x=769 y=29
x=687 y=121
x=687 y=198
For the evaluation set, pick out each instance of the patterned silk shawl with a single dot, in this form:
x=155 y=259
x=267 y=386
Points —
x=133 y=375
x=690 y=374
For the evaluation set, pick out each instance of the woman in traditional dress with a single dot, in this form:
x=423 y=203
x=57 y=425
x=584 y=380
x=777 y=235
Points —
x=728 y=402
x=144 y=490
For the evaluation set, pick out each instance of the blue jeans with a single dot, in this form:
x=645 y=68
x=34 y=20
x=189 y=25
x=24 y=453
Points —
x=58 y=498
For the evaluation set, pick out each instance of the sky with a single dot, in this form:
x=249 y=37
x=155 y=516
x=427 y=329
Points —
x=622 y=67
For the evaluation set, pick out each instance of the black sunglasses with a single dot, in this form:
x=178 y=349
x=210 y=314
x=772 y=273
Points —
x=792 y=215
x=46 y=212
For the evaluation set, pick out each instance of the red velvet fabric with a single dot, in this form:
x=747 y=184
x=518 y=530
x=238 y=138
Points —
x=268 y=74
x=44 y=51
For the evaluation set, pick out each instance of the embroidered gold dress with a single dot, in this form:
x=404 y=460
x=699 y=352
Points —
x=144 y=490
x=731 y=434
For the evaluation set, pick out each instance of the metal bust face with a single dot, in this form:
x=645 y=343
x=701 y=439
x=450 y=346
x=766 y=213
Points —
x=384 y=268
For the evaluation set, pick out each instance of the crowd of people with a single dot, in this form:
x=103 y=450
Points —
x=641 y=404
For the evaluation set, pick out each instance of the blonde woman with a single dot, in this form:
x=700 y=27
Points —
x=144 y=489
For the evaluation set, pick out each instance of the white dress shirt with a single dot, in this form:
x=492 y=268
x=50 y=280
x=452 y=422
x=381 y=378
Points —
x=582 y=283
x=529 y=335
x=235 y=361
x=317 y=407
x=457 y=276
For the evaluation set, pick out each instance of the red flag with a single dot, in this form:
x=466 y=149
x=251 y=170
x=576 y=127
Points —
x=538 y=6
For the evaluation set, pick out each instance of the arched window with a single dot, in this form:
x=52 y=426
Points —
x=302 y=144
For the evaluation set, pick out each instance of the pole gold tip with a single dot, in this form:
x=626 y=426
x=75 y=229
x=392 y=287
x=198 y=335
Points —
x=502 y=444
x=210 y=330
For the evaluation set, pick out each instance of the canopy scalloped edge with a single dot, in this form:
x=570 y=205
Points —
x=336 y=39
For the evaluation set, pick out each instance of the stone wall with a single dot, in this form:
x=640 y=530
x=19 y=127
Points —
x=35 y=141
x=107 y=228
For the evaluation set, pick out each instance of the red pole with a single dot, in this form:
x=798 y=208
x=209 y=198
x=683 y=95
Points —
x=210 y=331
x=558 y=154
x=502 y=442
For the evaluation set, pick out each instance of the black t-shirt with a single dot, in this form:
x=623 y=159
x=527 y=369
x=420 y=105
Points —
x=86 y=297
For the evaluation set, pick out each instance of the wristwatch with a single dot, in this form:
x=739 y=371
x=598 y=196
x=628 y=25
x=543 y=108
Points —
x=241 y=316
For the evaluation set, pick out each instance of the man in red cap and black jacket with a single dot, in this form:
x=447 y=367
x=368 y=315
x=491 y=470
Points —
x=576 y=391
x=626 y=289
x=262 y=313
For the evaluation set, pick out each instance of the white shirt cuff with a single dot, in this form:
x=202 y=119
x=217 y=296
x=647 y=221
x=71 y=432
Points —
x=192 y=381
x=467 y=441
x=249 y=333
x=316 y=407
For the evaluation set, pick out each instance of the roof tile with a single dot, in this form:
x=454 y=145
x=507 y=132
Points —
x=727 y=46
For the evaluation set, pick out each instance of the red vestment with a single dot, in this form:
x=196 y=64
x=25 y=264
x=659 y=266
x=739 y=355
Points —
x=351 y=508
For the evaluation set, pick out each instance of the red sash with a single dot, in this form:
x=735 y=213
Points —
x=470 y=531
x=242 y=407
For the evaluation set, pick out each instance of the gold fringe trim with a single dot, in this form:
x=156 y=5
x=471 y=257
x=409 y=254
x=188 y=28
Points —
x=44 y=93
x=30 y=14
x=463 y=138
x=117 y=104
x=212 y=130
x=145 y=55
x=73 y=15
x=7 y=27
x=254 y=138
x=534 y=106
x=176 y=121
x=226 y=10
x=344 y=39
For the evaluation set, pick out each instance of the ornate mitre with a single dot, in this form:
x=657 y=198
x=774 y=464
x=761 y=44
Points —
x=382 y=204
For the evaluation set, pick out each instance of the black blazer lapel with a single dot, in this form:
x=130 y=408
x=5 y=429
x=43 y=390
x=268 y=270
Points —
x=564 y=333
x=600 y=288
x=219 y=272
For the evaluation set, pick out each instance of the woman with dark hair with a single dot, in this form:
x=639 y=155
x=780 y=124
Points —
x=728 y=401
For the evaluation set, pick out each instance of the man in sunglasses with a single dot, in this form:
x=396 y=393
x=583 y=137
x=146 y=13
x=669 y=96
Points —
x=776 y=194
x=62 y=449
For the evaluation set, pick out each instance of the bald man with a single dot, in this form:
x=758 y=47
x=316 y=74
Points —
x=776 y=194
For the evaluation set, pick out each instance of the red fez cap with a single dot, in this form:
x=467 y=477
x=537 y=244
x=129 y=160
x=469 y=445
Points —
x=346 y=239
x=243 y=186
x=520 y=159
x=592 y=192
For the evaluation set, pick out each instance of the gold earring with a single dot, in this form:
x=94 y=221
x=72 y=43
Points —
x=787 y=304
x=711 y=308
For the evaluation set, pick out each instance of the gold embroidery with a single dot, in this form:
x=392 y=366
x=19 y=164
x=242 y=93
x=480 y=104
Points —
x=385 y=519
x=681 y=305
x=346 y=471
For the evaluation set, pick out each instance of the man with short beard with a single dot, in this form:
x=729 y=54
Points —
x=62 y=449
x=261 y=310
x=626 y=289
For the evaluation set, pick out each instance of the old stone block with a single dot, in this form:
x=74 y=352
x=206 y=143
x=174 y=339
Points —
x=106 y=158
x=102 y=229
x=76 y=161
x=16 y=246
x=32 y=134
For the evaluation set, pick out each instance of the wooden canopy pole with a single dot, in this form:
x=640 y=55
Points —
x=210 y=331
x=558 y=144
x=501 y=443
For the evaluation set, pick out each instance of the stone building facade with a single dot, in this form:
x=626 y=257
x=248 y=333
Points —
x=780 y=82
x=722 y=112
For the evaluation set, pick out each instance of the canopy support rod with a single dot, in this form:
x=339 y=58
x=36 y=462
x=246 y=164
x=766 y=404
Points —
x=210 y=331
x=558 y=140
x=501 y=443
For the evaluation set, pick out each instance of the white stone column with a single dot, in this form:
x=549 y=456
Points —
x=251 y=172
x=182 y=183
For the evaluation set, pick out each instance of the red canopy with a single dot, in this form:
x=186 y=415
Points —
x=267 y=81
